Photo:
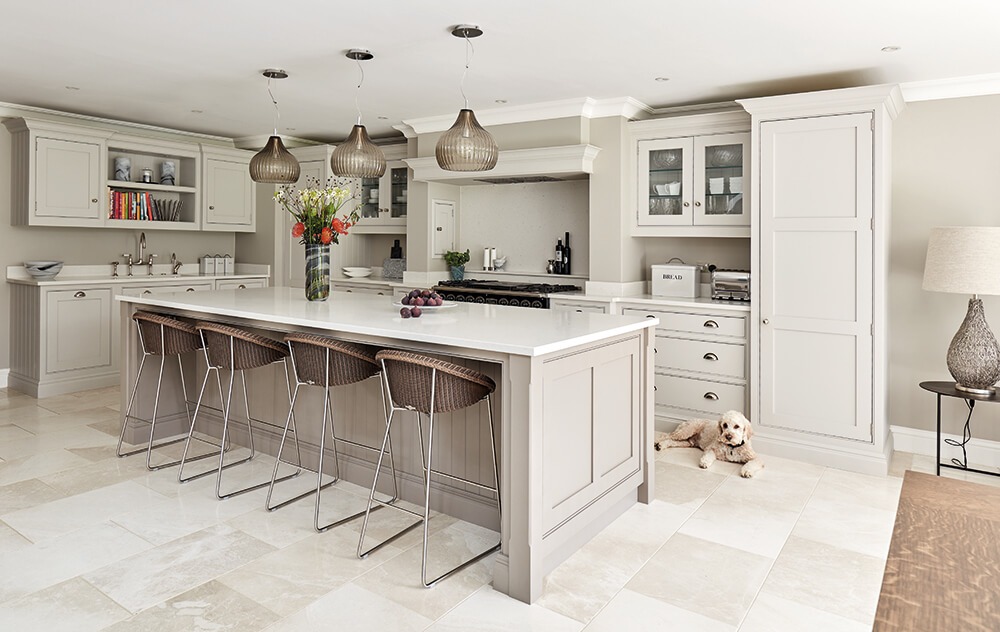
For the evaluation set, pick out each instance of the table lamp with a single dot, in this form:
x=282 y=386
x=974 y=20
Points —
x=966 y=260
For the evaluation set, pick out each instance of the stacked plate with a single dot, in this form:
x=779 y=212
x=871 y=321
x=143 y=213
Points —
x=43 y=269
x=356 y=272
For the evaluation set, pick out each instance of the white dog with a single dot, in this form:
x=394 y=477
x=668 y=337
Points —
x=727 y=439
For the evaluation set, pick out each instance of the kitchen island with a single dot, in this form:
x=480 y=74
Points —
x=574 y=404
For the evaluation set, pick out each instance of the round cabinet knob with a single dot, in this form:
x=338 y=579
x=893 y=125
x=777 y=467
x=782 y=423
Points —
x=93 y=200
x=687 y=204
x=710 y=395
x=697 y=203
x=766 y=321
x=211 y=208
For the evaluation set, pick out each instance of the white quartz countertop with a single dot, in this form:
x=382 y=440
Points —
x=514 y=330
x=101 y=275
x=654 y=301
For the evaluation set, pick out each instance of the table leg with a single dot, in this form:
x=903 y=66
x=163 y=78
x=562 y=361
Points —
x=937 y=461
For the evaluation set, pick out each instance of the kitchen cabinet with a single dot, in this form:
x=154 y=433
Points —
x=239 y=284
x=819 y=343
x=700 y=360
x=77 y=330
x=582 y=306
x=229 y=203
x=156 y=288
x=57 y=173
x=380 y=290
x=382 y=202
x=690 y=173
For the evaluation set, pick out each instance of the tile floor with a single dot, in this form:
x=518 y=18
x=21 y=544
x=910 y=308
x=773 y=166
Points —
x=92 y=542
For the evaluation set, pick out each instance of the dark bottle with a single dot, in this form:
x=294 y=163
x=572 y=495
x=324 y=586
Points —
x=397 y=251
x=566 y=257
x=559 y=256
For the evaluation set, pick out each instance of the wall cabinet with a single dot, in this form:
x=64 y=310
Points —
x=382 y=201
x=229 y=201
x=700 y=360
x=819 y=342
x=690 y=173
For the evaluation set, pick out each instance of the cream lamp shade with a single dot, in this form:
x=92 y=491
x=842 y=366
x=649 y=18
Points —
x=963 y=260
x=966 y=260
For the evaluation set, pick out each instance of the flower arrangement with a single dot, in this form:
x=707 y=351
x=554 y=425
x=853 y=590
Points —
x=315 y=210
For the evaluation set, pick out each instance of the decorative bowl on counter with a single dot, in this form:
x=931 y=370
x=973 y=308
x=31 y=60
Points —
x=43 y=269
x=357 y=272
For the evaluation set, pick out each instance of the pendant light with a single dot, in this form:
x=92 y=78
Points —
x=466 y=146
x=358 y=156
x=274 y=164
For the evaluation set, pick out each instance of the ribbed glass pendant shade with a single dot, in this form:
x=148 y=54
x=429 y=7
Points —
x=466 y=146
x=358 y=156
x=274 y=164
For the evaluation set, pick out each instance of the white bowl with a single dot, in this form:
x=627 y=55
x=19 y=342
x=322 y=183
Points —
x=356 y=273
x=43 y=269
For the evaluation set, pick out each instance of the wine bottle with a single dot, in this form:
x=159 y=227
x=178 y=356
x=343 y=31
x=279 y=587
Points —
x=566 y=256
x=559 y=256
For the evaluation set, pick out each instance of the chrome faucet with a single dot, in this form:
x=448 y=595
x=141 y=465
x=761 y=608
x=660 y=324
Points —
x=174 y=263
x=142 y=248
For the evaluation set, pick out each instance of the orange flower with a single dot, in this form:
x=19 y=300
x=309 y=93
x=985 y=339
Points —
x=298 y=229
x=339 y=226
x=326 y=235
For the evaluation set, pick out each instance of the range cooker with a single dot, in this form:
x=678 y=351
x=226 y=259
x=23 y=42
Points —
x=501 y=292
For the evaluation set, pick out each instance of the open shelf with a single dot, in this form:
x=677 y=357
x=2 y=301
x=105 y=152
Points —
x=148 y=186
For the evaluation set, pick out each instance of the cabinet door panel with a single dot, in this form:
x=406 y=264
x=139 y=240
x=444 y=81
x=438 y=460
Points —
x=67 y=179
x=816 y=259
x=78 y=329
x=721 y=167
x=228 y=194
x=664 y=193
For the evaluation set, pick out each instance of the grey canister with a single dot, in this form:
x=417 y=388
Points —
x=123 y=169
x=167 y=170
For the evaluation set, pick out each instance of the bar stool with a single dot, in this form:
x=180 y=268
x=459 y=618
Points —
x=237 y=351
x=160 y=336
x=322 y=362
x=429 y=386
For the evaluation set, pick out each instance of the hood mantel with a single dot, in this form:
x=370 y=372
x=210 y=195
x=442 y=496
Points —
x=569 y=162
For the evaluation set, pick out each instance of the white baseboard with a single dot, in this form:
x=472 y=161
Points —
x=981 y=452
x=3 y=377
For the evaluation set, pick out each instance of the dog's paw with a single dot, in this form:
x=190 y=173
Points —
x=656 y=446
x=746 y=474
x=703 y=465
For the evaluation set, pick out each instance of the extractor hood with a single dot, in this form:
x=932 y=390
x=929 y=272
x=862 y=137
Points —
x=516 y=166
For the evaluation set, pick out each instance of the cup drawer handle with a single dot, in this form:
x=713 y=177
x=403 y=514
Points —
x=712 y=396
x=190 y=289
x=80 y=295
x=145 y=292
x=711 y=324
x=710 y=356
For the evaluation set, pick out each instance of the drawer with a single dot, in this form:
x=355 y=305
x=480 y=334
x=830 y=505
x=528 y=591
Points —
x=201 y=286
x=699 y=356
x=239 y=284
x=568 y=306
x=701 y=324
x=363 y=289
x=711 y=398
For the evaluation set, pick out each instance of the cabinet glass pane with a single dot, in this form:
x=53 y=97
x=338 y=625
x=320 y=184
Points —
x=723 y=180
x=665 y=181
x=369 y=198
x=397 y=179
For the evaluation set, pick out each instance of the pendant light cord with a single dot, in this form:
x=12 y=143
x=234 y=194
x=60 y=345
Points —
x=468 y=58
x=277 y=114
x=357 y=92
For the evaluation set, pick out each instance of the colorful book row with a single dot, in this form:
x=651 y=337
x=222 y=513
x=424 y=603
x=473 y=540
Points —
x=131 y=205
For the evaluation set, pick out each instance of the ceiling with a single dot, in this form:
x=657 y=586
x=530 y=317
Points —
x=195 y=64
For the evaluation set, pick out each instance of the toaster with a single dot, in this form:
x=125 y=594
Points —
x=732 y=285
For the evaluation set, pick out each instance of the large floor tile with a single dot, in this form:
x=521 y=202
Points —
x=11 y=432
x=96 y=474
x=57 y=560
x=689 y=457
x=46 y=424
x=853 y=527
x=828 y=578
x=210 y=606
x=632 y=611
x=490 y=611
x=684 y=486
x=24 y=494
x=291 y=578
x=688 y=573
x=11 y=540
x=774 y=614
x=879 y=492
x=72 y=606
x=73 y=437
x=352 y=608
x=20 y=469
x=144 y=580
x=74 y=512
x=742 y=523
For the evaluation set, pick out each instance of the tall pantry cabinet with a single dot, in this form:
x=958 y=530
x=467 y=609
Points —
x=820 y=188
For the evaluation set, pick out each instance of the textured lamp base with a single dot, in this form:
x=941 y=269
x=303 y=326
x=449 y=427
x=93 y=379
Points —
x=974 y=355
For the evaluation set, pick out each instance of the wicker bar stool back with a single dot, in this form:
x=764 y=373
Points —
x=159 y=336
x=322 y=362
x=236 y=351
x=430 y=386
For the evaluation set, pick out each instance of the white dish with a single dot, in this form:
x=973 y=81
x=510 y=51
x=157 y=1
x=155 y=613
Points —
x=358 y=275
x=426 y=308
x=357 y=269
x=43 y=269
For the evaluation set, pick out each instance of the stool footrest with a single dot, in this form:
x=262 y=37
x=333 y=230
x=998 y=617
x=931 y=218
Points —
x=284 y=503
x=469 y=562
x=392 y=538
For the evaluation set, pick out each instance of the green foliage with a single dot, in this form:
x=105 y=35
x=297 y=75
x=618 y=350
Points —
x=456 y=259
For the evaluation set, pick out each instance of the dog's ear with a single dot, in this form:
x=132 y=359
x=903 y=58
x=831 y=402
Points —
x=748 y=430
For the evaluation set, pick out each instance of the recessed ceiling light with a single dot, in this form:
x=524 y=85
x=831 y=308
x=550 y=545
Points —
x=290 y=129
x=383 y=118
x=891 y=49
x=501 y=101
x=72 y=88
x=197 y=111
x=662 y=79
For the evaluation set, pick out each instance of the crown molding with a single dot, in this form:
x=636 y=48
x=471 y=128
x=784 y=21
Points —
x=583 y=107
x=257 y=141
x=953 y=88
x=566 y=162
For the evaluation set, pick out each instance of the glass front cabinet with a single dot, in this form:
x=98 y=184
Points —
x=694 y=181
x=382 y=201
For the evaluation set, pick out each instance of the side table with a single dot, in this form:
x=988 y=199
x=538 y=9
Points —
x=947 y=389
